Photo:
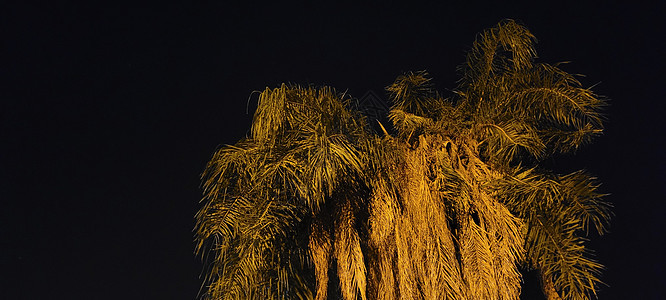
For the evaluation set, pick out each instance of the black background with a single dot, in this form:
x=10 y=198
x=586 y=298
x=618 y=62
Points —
x=109 y=112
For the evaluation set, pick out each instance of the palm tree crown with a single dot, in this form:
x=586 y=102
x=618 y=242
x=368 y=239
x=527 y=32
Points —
x=449 y=205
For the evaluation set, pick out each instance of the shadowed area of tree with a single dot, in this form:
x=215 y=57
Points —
x=448 y=203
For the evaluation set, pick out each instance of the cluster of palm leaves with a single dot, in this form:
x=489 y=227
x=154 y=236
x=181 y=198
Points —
x=449 y=203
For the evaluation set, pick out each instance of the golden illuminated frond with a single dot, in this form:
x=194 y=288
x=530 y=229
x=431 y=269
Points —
x=505 y=141
x=407 y=124
x=556 y=208
x=507 y=47
x=321 y=248
x=348 y=254
x=413 y=93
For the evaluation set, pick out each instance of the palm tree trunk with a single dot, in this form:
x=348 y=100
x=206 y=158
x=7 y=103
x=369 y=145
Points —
x=548 y=287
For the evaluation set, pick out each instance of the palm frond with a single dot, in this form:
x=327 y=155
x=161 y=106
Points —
x=321 y=248
x=501 y=88
x=413 y=93
x=584 y=202
x=506 y=141
x=408 y=124
x=507 y=47
x=565 y=114
x=349 y=256
x=556 y=209
x=555 y=248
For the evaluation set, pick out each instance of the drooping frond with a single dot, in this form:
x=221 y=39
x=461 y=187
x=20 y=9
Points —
x=565 y=114
x=583 y=201
x=321 y=249
x=557 y=209
x=427 y=264
x=317 y=130
x=503 y=86
x=558 y=96
x=444 y=236
x=247 y=259
x=349 y=256
x=408 y=124
x=504 y=141
x=418 y=108
x=507 y=47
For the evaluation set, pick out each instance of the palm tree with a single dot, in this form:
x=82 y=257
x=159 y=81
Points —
x=450 y=205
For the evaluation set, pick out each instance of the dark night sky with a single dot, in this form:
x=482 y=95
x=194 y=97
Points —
x=108 y=113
